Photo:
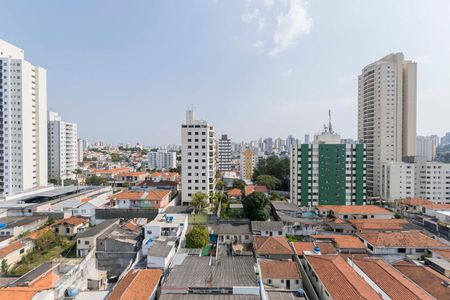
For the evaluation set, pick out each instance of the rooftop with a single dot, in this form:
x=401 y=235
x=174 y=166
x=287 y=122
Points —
x=98 y=229
x=286 y=206
x=234 y=193
x=355 y=209
x=277 y=269
x=414 y=201
x=162 y=247
x=249 y=189
x=138 y=284
x=153 y=195
x=267 y=226
x=349 y=286
x=299 y=247
x=401 y=239
x=163 y=220
x=11 y=248
x=149 y=183
x=272 y=245
x=379 y=224
x=231 y=228
x=10 y=222
x=196 y=271
x=74 y=221
x=207 y=297
x=390 y=280
x=342 y=241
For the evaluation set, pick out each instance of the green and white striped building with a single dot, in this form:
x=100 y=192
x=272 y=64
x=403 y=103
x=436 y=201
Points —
x=328 y=172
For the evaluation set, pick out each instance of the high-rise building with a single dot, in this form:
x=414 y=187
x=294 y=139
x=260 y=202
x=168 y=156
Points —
x=387 y=113
x=247 y=163
x=62 y=148
x=426 y=146
x=327 y=172
x=82 y=147
x=306 y=138
x=198 y=157
x=225 y=158
x=162 y=159
x=268 y=146
x=445 y=140
x=23 y=128
x=397 y=180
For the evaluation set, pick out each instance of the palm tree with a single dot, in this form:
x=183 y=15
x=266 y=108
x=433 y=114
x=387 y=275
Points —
x=77 y=172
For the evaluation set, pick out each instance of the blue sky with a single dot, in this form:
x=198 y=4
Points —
x=126 y=71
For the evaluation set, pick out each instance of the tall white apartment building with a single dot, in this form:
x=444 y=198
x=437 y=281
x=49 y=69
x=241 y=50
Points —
x=225 y=157
x=23 y=122
x=162 y=159
x=82 y=147
x=62 y=148
x=198 y=157
x=387 y=113
x=397 y=180
x=426 y=146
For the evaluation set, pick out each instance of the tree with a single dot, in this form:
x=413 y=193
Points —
x=198 y=201
x=276 y=167
x=239 y=184
x=269 y=181
x=220 y=184
x=4 y=266
x=275 y=196
x=198 y=237
x=95 y=180
x=255 y=206
x=46 y=240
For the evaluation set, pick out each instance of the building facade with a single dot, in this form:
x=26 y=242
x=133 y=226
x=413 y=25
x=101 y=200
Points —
x=225 y=157
x=327 y=172
x=426 y=146
x=247 y=164
x=387 y=92
x=62 y=148
x=23 y=126
x=198 y=157
x=162 y=159
x=397 y=180
x=82 y=147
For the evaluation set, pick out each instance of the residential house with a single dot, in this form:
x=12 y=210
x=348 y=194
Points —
x=166 y=185
x=161 y=252
x=333 y=278
x=139 y=284
x=266 y=228
x=234 y=194
x=301 y=247
x=196 y=275
x=250 y=189
x=277 y=275
x=296 y=220
x=71 y=226
x=399 y=243
x=88 y=206
x=165 y=176
x=386 y=280
x=272 y=247
x=411 y=205
x=129 y=178
x=339 y=225
x=14 y=252
x=232 y=233
x=343 y=243
x=86 y=241
x=440 y=265
x=354 y=212
x=109 y=173
x=362 y=225
x=141 y=199
x=15 y=226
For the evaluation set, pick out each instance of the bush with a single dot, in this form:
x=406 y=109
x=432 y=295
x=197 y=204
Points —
x=198 y=237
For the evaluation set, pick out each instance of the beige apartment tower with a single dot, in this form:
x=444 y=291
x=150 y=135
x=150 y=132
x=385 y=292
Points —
x=387 y=100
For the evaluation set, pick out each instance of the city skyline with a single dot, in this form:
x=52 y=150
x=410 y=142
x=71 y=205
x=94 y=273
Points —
x=236 y=56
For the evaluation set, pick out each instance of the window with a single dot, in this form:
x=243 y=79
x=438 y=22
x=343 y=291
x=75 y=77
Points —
x=401 y=250
x=86 y=242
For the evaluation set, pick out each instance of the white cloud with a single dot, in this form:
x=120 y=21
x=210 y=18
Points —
x=250 y=16
x=287 y=73
x=280 y=23
x=291 y=26
x=258 y=44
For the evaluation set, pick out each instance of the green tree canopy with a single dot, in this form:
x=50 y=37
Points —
x=239 y=184
x=220 y=184
x=198 y=237
x=96 y=180
x=199 y=201
x=255 y=206
x=269 y=181
x=276 y=167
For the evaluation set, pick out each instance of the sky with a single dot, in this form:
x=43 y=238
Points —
x=126 y=71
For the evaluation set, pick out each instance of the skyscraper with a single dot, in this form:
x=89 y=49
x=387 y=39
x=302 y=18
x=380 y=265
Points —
x=23 y=126
x=198 y=157
x=426 y=146
x=225 y=159
x=387 y=113
x=62 y=148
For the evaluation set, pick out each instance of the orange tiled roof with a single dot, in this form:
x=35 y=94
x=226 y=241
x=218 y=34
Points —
x=276 y=269
x=134 y=174
x=340 y=280
x=74 y=221
x=326 y=248
x=110 y=171
x=355 y=209
x=401 y=239
x=249 y=189
x=299 y=247
x=414 y=201
x=164 y=174
x=10 y=248
x=27 y=292
x=138 y=284
x=35 y=234
x=378 y=224
x=444 y=253
x=234 y=193
x=390 y=280
x=272 y=245
x=153 y=195
x=437 y=206
x=342 y=241
x=426 y=278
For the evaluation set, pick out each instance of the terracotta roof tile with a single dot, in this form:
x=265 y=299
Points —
x=27 y=292
x=276 y=269
x=249 y=189
x=10 y=248
x=138 y=284
x=355 y=209
x=379 y=224
x=443 y=252
x=414 y=201
x=340 y=280
x=390 y=280
x=234 y=193
x=74 y=221
x=326 y=248
x=342 y=241
x=134 y=174
x=437 y=206
x=272 y=245
x=299 y=247
x=401 y=239
x=153 y=195
x=110 y=171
